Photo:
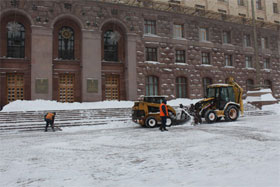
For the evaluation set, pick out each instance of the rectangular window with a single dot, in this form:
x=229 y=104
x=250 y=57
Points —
x=151 y=85
x=226 y=37
x=180 y=56
x=259 y=4
x=181 y=87
x=203 y=34
x=240 y=2
x=228 y=60
x=151 y=54
x=266 y=63
x=264 y=42
x=247 y=40
x=205 y=58
x=177 y=31
x=275 y=8
x=248 y=62
x=150 y=27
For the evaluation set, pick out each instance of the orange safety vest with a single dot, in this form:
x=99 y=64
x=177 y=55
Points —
x=161 y=111
x=50 y=116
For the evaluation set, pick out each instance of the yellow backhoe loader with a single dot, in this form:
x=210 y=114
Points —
x=222 y=100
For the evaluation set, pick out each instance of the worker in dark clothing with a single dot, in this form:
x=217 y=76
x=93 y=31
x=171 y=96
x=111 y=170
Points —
x=49 y=118
x=163 y=115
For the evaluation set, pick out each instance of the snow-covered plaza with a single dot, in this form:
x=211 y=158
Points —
x=245 y=153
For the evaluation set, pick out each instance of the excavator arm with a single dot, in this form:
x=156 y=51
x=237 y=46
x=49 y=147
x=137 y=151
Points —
x=238 y=92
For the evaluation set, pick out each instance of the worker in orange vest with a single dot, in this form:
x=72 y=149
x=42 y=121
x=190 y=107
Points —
x=163 y=115
x=49 y=118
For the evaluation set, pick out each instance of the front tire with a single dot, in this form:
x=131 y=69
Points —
x=168 y=122
x=210 y=116
x=231 y=113
x=151 y=122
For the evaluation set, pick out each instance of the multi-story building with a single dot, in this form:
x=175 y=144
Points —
x=123 y=49
x=265 y=10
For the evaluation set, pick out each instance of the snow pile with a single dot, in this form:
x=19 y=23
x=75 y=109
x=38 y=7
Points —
x=37 y=105
x=274 y=107
x=260 y=95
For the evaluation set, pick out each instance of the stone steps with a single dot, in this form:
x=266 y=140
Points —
x=34 y=120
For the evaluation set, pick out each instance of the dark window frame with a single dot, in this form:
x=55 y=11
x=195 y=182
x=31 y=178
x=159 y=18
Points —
x=204 y=34
x=241 y=2
x=66 y=46
x=226 y=37
x=228 y=60
x=181 y=87
x=259 y=4
x=249 y=62
x=151 y=54
x=266 y=63
x=150 y=26
x=110 y=47
x=152 y=85
x=247 y=40
x=264 y=43
x=16 y=42
x=249 y=84
x=275 y=8
x=180 y=56
x=205 y=58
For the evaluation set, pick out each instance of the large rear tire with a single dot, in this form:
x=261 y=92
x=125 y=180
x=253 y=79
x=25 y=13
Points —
x=210 y=116
x=151 y=122
x=231 y=113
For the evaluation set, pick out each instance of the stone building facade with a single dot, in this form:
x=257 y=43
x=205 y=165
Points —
x=80 y=51
x=268 y=11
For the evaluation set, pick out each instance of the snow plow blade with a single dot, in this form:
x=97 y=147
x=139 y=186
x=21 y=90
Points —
x=182 y=115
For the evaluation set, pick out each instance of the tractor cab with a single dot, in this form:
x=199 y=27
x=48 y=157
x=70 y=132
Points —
x=222 y=94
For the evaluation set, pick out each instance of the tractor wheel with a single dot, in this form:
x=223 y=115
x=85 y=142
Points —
x=151 y=122
x=168 y=122
x=210 y=116
x=231 y=113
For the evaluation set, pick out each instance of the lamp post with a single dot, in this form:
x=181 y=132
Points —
x=256 y=47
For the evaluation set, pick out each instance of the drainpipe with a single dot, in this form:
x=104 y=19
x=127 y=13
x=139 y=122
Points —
x=256 y=47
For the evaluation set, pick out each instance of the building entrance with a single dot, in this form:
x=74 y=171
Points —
x=66 y=88
x=112 y=87
x=15 y=87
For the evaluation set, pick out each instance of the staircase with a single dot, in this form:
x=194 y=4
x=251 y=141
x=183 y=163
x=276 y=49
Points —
x=34 y=120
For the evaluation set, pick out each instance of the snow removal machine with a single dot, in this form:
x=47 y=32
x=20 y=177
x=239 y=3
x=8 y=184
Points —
x=146 y=112
x=222 y=101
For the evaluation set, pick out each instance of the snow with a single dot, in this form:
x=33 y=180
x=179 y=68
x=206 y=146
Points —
x=244 y=153
x=38 y=105
x=152 y=62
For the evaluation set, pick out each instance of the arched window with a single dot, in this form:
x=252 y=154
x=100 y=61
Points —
x=249 y=84
x=268 y=84
x=151 y=85
x=66 y=43
x=15 y=40
x=205 y=82
x=111 y=45
x=181 y=87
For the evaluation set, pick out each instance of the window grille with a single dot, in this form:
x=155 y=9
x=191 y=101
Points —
x=110 y=47
x=15 y=40
x=66 y=40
